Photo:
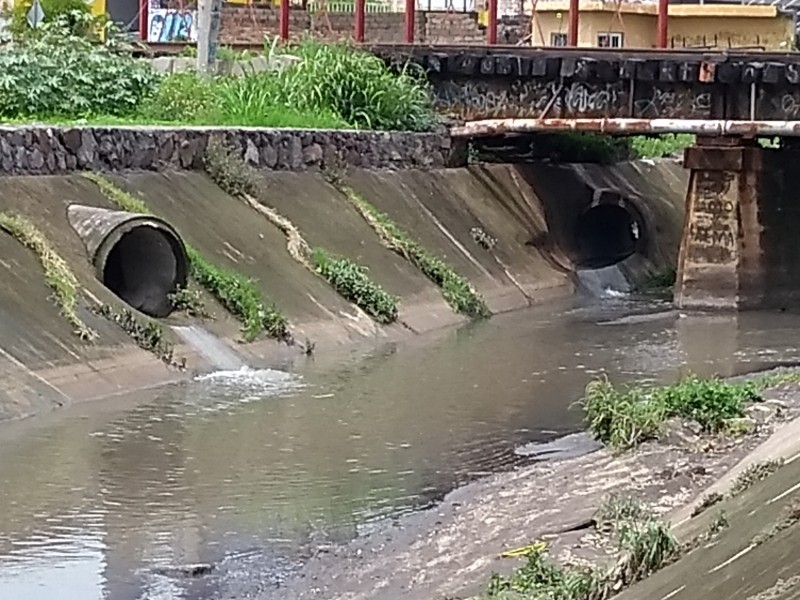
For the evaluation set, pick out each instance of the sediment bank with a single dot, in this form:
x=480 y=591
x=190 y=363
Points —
x=452 y=549
x=509 y=231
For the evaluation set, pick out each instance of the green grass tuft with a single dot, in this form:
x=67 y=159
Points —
x=623 y=418
x=57 y=273
x=456 y=290
x=123 y=200
x=353 y=283
x=147 y=334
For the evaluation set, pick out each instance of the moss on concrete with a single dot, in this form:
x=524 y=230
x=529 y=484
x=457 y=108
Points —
x=57 y=272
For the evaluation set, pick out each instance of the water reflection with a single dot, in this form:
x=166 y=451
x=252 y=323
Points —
x=246 y=475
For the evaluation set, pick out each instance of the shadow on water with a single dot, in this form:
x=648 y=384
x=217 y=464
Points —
x=248 y=470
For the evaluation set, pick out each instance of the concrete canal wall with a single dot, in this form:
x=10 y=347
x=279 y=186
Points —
x=527 y=212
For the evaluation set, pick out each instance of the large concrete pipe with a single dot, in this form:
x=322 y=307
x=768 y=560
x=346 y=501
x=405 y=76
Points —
x=608 y=231
x=140 y=258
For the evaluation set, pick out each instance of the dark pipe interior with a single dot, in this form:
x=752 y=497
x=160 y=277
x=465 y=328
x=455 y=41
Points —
x=605 y=235
x=143 y=268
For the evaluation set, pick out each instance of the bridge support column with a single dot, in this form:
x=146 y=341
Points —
x=741 y=238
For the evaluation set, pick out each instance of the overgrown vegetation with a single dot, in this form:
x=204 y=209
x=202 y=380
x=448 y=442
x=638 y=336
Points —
x=238 y=294
x=147 y=334
x=645 y=545
x=790 y=516
x=189 y=301
x=707 y=502
x=58 y=73
x=353 y=283
x=228 y=170
x=625 y=417
x=57 y=272
x=660 y=146
x=456 y=290
x=79 y=67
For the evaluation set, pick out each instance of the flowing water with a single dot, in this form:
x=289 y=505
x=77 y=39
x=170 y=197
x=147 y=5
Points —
x=249 y=469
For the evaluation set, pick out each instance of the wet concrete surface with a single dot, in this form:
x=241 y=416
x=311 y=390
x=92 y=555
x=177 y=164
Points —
x=254 y=474
x=734 y=565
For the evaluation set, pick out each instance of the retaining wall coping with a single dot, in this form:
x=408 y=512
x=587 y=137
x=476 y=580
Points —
x=39 y=149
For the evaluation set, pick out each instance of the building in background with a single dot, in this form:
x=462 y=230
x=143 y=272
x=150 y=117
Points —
x=634 y=25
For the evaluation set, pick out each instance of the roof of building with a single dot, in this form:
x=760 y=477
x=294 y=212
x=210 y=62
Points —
x=727 y=9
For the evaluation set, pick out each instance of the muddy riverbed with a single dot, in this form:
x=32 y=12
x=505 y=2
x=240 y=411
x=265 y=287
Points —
x=256 y=472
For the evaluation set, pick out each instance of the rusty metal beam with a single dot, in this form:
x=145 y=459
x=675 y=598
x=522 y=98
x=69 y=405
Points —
x=708 y=127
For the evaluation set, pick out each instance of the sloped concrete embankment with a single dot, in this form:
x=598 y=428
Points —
x=448 y=211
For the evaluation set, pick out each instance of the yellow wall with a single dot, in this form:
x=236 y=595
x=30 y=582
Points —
x=732 y=25
x=775 y=33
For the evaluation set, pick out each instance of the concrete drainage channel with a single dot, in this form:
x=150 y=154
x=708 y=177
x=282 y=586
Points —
x=140 y=258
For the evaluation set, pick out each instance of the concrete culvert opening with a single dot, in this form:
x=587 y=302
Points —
x=606 y=234
x=140 y=258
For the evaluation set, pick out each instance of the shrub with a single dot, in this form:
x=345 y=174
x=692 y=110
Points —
x=353 y=283
x=659 y=146
x=57 y=73
x=182 y=96
x=627 y=417
x=357 y=86
x=75 y=13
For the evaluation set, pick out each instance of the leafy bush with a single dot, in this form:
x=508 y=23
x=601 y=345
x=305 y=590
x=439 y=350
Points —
x=75 y=13
x=57 y=73
x=184 y=96
x=625 y=418
x=353 y=283
x=659 y=146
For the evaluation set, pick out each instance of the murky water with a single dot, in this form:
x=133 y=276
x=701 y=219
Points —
x=247 y=470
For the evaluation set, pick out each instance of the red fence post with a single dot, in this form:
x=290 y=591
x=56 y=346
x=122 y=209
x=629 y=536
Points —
x=284 y=20
x=663 y=22
x=143 y=18
x=492 y=33
x=411 y=17
x=361 y=9
x=572 y=28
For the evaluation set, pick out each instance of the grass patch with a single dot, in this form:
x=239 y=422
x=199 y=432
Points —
x=189 y=301
x=660 y=146
x=790 y=516
x=719 y=523
x=238 y=294
x=57 y=272
x=622 y=418
x=456 y=290
x=646 y=545
x=707 y=502
x=753 y=474
x=147 y=334
x=353 y=283
x=228 y=170
x=123 y=200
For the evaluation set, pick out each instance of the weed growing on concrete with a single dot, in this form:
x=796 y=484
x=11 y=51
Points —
x=353 y=283
x=237 y=293
x=646 y=545
x=719 y=523
x=624 y=418
x=707 y=502
x=790 y=517
x=240 y=296
x=753 y=474
x=456 y=290
x=123 y=200
x=191 y=302
x=660 y=146
x=57 y=273
x=615 y=509
x=228 y=170
x=147 y=334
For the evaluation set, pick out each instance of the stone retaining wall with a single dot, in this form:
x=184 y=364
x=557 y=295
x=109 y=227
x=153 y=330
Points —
x=49 y=150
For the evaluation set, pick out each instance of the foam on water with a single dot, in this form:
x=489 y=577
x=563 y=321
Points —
x=608 y=282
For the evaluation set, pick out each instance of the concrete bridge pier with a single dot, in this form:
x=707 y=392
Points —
x=741 y=239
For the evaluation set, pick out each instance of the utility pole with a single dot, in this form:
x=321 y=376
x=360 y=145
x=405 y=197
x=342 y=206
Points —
x=208 y=20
